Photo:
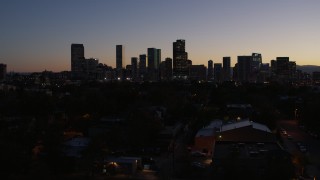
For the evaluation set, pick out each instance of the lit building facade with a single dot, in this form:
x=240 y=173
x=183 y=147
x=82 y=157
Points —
x=180 y=60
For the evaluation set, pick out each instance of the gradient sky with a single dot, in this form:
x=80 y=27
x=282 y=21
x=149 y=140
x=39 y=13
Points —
x=36 y=35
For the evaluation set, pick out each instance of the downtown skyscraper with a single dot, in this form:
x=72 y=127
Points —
x=77 y=53
x=119 y=57
x=154 y=58
x=210 y=70
x=82 y=68
x=119 y=62
x=134 y=68
x=226 y=68
x=243 y=68
x=180 y=60
x=142 y=67
x=77 y=59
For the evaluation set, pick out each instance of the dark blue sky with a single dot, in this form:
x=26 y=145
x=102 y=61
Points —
x=37 y=34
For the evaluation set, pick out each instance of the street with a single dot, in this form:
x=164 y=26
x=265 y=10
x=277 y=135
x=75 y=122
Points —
x=295 y=135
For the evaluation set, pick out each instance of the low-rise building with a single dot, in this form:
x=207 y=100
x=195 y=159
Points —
x=204 y=139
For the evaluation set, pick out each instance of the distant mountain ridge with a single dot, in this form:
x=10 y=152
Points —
x=308 y=68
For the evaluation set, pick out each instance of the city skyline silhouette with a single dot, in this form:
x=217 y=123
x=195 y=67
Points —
x=36 y=35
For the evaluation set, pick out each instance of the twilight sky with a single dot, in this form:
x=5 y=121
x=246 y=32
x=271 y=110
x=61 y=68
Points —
x=37 y=34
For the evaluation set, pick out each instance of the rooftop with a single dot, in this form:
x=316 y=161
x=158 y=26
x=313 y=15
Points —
x=244 y=123
x=210 y=129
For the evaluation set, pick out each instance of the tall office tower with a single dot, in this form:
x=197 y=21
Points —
x=283 y=67
x=180 y=57
x=244 y=66
x=292 y=70
x=158 y=58
x=119 y=57
x=273 y=67
x=166 y=71
x=198 y=72
x=256 y=62
x=151 y=58
x=226 y=68
x=235 y=72
x=3 y=72
x=264 y=74
x=153 y=64
x=217 y=72
x=77 y=61
x=134 y=68
x=210 y=70
x=142 y=66
x=89 y=68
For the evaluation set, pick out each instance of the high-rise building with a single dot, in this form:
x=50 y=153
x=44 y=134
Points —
x=285 y=70
x=210 y=70
x=198 y=72
x=77 y=57
x=90 y=68
x=142 y=66
x=292 y=70
x=244 y=66
x=158 y=59
x=226 y=68
x=273 y=67
x=235 y=72
x=119 y=57
x=180 y=57
x=127 y=73
x=77 y=52
x=256 y=62
x=120 y=62
x=3 y=72
x=154 y=56
x=283 y=67
x=85 y=69
x=151 y=58
x=217 y=72
x=166 y=69
x=264 y=73
x=82 y=68
x=134 y=68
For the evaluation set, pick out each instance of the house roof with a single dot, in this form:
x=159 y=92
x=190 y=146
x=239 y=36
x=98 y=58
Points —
x=244 y=123
x=217 y=123
x=205 y=132
x=210 y=129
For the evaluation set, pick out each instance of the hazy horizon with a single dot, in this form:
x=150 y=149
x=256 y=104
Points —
x=37 y=35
